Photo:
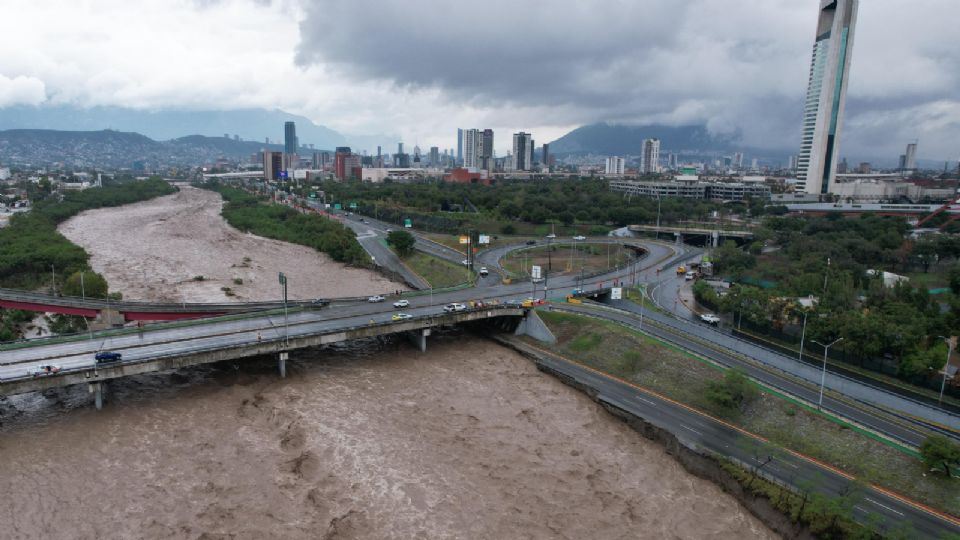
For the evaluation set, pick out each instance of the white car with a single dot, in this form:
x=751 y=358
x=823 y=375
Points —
x=401 y=303
x=710 y=318
x=551 y=235
x=450 y=308
x=579 y=238
x=484 y=271
x=376 y=298
x=47 y=369
x=401 y=316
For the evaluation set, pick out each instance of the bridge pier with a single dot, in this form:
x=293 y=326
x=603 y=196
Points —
x=97 y=390
x=284 y=356
x=419 y=338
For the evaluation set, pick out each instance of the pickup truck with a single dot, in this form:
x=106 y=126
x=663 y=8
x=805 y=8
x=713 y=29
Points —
x=710 y=318
x=376 y=298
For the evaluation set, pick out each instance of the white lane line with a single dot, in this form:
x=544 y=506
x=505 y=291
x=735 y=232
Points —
x=883 y=506
x=691 y=429
x=647 y=401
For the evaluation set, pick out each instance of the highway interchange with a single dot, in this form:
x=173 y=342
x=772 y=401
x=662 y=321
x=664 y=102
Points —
x=690 y=426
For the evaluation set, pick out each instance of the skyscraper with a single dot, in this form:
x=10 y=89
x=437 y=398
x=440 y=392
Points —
x=459 y=146
x=470 y=148
x=485 y=152
x=614 y=165
x=546 y=155
x=289 y=138
x=272 y=164
x=434 y=156
x=826 y=95
x=910 y=161
x=650 y=156
x=522 y=151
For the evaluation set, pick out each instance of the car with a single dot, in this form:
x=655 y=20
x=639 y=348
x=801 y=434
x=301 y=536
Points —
x=579 y=238
x=710 y=318
x=450 y=308
x=531 y=242
x=551 y=235
x=401 y=303
x=483 y=271
x=401 y=316
x=689 y=276
x=364 y=221
x=376 y=298
x=44 y=370
x=107 y=357
x=388 y=230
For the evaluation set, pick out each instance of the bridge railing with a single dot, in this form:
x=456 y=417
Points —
x=136 y=305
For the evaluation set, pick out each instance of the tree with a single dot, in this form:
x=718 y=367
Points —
x=90 y=284
x=938 y=451
x=402 y=241
x=921 y=363
x=733 y=393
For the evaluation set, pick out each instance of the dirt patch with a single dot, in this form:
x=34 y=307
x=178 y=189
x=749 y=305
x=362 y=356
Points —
x=178 y=248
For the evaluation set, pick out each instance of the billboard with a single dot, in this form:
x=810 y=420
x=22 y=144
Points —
x=616 y=293
x=535 y=272
x=484 y=239
x=407 y=223
x=464 y=239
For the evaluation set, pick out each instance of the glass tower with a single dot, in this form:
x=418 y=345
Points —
x=826 y=94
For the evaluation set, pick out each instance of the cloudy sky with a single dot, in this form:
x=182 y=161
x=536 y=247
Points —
x=421 y=68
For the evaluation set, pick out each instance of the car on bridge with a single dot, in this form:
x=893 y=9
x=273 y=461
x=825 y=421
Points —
x=456 y=306
x=710 y=318
x=376 y=298
x=107 y=357
x=401 y=316
x=401 y=303
x=579 y=238
x=44 y=370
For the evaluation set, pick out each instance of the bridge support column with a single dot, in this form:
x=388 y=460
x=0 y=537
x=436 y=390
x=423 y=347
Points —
x=419 y=338
x=97 y=390
x=715 y=239
x=284 y=356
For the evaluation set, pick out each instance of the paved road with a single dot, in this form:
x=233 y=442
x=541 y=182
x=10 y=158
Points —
x=701 y=432
x=867 y=416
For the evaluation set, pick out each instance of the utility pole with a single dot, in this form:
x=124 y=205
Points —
x=83 y=291
x=286 y=328
x=823 y=375
x=53 y=281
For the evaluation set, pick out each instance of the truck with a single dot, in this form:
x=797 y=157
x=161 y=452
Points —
x=681 y=270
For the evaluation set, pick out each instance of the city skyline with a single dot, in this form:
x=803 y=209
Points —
x=744 y=68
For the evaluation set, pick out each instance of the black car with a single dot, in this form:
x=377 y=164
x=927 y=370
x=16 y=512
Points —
x=531 y=242
x=107 y=357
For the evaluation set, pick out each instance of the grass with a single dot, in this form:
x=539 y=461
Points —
x=652 y=364
x=589 y=257
x=438 y=272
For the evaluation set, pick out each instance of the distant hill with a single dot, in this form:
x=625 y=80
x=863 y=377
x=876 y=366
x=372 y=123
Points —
x=622 y=140
x=117 y=149
x=250 y=124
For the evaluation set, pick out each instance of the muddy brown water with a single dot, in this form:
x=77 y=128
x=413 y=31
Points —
x=374 y=440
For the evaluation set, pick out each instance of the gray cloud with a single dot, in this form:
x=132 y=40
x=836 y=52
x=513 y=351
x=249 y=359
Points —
x=736 y=66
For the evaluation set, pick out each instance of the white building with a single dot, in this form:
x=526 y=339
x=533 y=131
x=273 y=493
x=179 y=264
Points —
x=826 y=95
x=471 y=148
x=614 y=165
x=650 y=156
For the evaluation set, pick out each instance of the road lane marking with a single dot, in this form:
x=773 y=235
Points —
x=691 y=429
x=884 y=506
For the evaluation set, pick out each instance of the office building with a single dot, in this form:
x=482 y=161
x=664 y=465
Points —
x=546 y=156
x=650 y=156
x=485 y=150
x=434 y=156
x=693 y=188
x=522 y=151
x=459 y=146
x=470 y=147
x=289 y=138
x=910 y=158
x=272 y=165
x=341 y=169
x=614 y=165
x=826 y=96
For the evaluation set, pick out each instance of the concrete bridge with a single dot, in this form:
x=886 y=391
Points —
x=218 y=340
x=713 y=234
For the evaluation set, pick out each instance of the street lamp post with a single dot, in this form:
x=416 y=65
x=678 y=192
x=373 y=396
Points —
x=943 y=384
x=286 y=327
x=823 y=375
x=803 y=334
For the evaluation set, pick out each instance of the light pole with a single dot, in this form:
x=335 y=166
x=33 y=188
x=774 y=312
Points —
x=643 y=292
x=823 y=375
x=83 y=291
x=943 y=384
x=53 y=281
x=286 y=328
x=803 y=334
x=658 y=217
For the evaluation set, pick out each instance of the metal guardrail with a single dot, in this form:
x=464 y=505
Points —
x=134 y=305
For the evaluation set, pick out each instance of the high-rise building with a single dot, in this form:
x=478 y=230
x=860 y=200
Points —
x=340 y=165
x=289 y=138
x=650 y=156
x=459 y=146
x=826 y=96
x=470 y=148
x=485 y=150
x=672 y=161
x=434 y=156
x=546 y=155
x=272 y=164
x=522 y=151
x=614 y=165
x=910 y=161
x=792 y=163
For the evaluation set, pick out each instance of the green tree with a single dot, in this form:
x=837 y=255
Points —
x=733 y=393
x=402 y=241
x=938 y=451
x=89 y=284
x=923 y=362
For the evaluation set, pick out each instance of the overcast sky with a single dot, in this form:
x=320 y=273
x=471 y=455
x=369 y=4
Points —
x=422 y=68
